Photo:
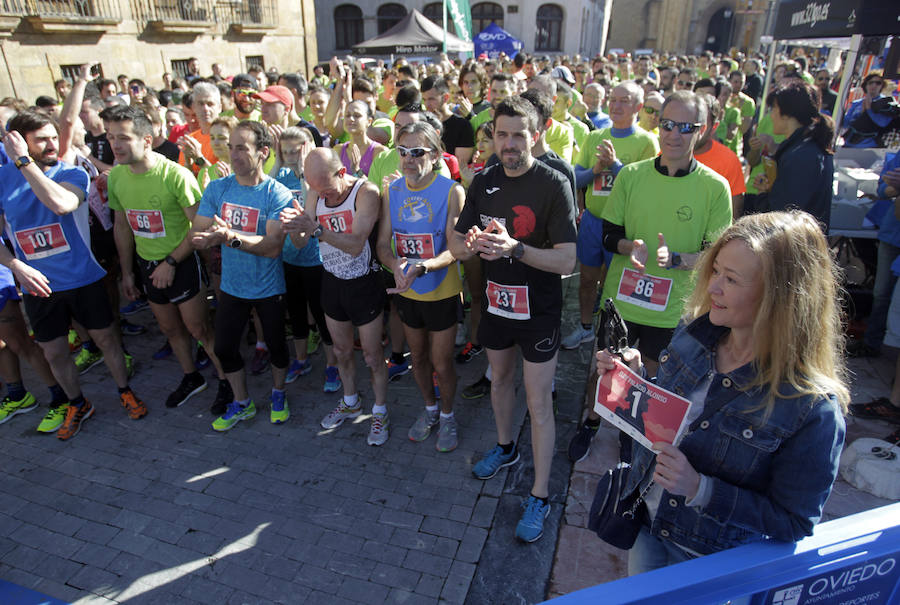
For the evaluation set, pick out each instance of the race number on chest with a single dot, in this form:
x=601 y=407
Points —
x=338 y=222
x=603 y=182
x=414 y=245
x=506 y=301
x=43 y=241
x=242 y=219
x=647 y=291
x=146 y=223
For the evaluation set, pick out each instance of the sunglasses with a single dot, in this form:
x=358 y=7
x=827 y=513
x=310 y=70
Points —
x=683 y=127
x=135 y=89
x=415 y=152
x=245 y=91
x=651 y=110
x=685 y=84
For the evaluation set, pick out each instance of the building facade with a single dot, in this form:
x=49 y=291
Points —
x=44 y=40
x=554 y=27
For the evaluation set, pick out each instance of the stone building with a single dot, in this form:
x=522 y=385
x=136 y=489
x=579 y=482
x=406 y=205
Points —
x=44 y=40
x=544 y=26
x=686 y=26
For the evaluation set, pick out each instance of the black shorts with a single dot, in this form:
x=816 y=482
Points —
x=431 y=315
x=538 y=346
x=652 y=339
x=357 y=300
x=103 y=245
x=190 y=275
x=51 y=317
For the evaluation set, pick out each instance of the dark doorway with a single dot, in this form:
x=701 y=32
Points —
x=718 y=33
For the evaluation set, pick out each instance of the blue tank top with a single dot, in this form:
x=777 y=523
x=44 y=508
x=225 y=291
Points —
x=419 y=225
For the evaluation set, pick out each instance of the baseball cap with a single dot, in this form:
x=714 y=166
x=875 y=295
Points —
x=563 y=73
x=276 y=94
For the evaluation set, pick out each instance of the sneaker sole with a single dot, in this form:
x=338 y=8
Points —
x=335 y=389
x=18 y=411
x=570 y=346
x=232 y=425
x=397 y=375
x=582 y=458
x=87 y=369
x=80 y=424
x=199 y=389
x=425 y=438
x=465 y=395
x=376 y=443
x=536 y=538
x=510 y=463
x=341 y=421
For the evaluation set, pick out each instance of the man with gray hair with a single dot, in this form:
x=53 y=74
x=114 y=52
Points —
x=196 y=149
x=660 y=214
x=593 y=97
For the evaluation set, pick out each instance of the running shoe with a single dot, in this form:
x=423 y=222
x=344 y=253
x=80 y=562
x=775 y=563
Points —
x=379 y=429
x=202 y=360
x=54 y=418
x=224 y=396
x=191 y=384
x=75 y=417
x=234 y=413
x=447 y=439
x=580 y=445
x=880 y=409
x=85 y=360
x=135 y=407
x=130 y=329
x=164 y=352
x=133 y=307
x=260 y=362
x=531 y=525
x=478 y=389
x=493 y=461
x=11 y=407
x=341 y=413
x=332 y=380
x=426 y=421
x=469 y=352
x=279 y=412
x=396 y=370
x=313 y=341
x=297 y=369
x=577 y=337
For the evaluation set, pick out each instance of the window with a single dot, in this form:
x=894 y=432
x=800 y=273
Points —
x=389 y=15
x=180 y=67
x=70 y=72
x=482 y=15
x=348 y=26
x=435 y=12
x=549 y=27
x=255 y=61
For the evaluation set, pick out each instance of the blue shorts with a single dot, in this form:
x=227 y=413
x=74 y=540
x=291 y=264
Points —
x=8 y=293
x=589 y=247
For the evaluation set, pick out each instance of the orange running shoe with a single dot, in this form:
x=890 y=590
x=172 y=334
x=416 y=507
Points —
x=136 y=408
x=74 y=417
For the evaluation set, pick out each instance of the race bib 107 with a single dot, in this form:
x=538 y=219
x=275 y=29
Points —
x=43 y=241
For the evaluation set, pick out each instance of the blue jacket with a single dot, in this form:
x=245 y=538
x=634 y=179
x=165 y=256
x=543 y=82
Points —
x=770 y=477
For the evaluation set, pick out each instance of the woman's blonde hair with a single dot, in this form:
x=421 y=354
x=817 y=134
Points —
x=798 y=325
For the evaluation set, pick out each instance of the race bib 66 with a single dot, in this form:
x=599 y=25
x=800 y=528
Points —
x=643 y=290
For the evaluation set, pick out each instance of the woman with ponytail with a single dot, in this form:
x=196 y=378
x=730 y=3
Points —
x=804 y=164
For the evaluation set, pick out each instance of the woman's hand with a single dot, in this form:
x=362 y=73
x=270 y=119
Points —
x=605 y=361
x=673 y=471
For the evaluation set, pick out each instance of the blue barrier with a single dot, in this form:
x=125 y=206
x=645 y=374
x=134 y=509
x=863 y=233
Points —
x=854 y=560
x=13 y=594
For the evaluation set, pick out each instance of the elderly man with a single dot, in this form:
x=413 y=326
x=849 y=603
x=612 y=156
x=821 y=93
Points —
x=196 y=149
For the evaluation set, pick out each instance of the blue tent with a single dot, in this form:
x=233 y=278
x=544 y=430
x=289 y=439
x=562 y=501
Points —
x=493 y=40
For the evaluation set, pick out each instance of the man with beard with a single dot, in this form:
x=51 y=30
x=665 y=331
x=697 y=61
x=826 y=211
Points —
x=243 y=87
x=41 y=202
x=524 y=248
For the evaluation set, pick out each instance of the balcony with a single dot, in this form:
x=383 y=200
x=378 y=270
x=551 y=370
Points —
x=252 y=17
x=70 y=16
x=177 y=16
x=11 y=12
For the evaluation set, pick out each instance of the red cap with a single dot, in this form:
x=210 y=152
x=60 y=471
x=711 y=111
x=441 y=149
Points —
x=276 y=94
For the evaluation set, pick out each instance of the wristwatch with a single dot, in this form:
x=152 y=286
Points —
x=318 y=231
x=235 y=243
x=518 y=251
x=171 y=260
x=676 y=259
x=23 y=161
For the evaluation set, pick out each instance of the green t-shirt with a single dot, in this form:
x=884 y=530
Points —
x=388 y=162
x=480 y=118
x=732 y=116
x=580 y=130
x=561 y=139
x=154 y=204
x=306 y=114
x=386 y=125
x=639 y=146
x=687 y=210
x=764 y=127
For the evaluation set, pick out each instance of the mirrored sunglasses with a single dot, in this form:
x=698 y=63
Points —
x=650 y=110
x=683 y=127
x=415 y=152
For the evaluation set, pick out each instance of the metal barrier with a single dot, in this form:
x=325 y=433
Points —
x=854 y=560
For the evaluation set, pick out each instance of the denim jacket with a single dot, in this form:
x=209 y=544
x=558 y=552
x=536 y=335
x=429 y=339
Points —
x=770 y=477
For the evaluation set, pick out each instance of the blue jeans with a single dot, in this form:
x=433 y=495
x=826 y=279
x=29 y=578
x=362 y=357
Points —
x=650 y=552
x=881 y=295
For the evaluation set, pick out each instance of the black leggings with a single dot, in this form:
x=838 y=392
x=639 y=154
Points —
x=304 y=286
x=232 y=315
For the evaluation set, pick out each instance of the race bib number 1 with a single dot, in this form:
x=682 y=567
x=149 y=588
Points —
x=647 y=291
x=603 y=183
x=414 y=245
x=43 y=241
x=242 y=219
x=338 y=222
x=146 y=223
x=510 y=302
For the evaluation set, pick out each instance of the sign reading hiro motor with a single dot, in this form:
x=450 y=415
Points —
x=871 y=582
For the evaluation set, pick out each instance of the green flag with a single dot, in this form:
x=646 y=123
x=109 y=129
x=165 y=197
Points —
x=460 y=14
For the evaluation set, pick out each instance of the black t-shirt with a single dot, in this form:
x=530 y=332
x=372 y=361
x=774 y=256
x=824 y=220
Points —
x=457 y=133
x=537 y=209
x=100 y=147
x=753 y=87
x=169 y=150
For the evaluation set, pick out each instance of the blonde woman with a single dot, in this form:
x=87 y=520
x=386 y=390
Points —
x=759 y=356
